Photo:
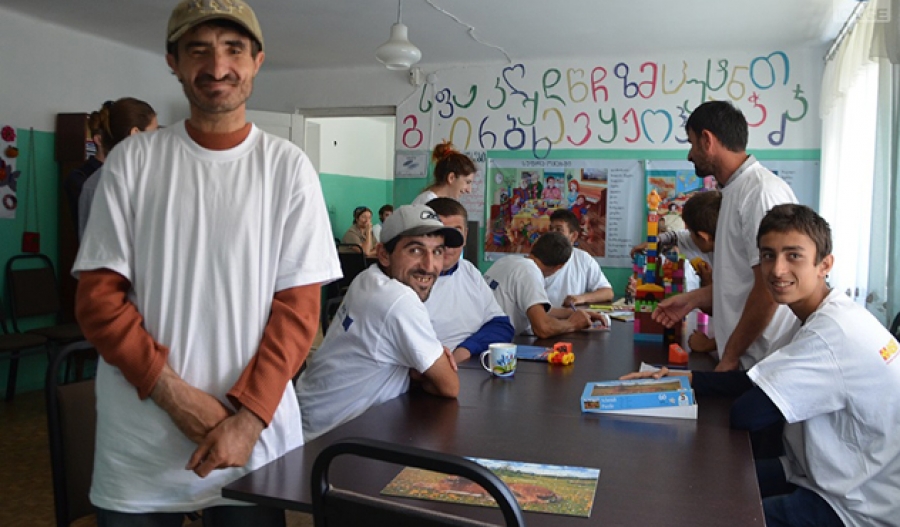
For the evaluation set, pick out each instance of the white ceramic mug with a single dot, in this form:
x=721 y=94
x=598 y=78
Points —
x=501 y=359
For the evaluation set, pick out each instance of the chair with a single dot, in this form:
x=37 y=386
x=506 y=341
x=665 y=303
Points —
x=34 y=292
x=329 y=310
x=71 y=423
x=353 y=262
x=895 y=327
x=16 y=345
x=333 y=507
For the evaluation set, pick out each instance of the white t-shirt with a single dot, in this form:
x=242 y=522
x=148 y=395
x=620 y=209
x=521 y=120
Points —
x=424 y=198
x=838 y=385
x=746 y=198
x=460 y=304
x=206 y=239
x=518 y=284
x=380 y=332
x=581 y=274
x=376 y=232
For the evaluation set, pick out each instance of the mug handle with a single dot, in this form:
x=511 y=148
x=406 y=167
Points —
x=483 y=355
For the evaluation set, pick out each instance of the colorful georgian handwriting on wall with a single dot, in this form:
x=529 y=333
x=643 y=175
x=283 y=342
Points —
x=508 y=113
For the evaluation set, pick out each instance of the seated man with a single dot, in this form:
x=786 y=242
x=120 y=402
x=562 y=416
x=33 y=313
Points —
x=580 y=281
x=381 y=335
x=463 y=311
x=836 y=383
x=518 y=285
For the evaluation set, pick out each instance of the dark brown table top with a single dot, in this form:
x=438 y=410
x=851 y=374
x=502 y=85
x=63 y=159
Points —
x=653 y=471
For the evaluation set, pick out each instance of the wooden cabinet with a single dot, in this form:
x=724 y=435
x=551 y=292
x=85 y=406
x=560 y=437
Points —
x=71 y=152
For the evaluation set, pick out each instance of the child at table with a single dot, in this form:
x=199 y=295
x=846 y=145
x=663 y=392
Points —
x=836 y=383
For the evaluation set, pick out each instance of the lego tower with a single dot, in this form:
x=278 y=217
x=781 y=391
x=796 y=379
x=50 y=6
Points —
x=657 y=278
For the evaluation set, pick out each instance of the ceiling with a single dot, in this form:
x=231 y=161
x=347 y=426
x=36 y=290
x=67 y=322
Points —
x=345 y=33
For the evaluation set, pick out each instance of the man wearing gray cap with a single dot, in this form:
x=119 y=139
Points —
x=381 y=336
x=200 y=273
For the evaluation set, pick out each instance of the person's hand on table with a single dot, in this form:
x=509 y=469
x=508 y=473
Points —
x=572 y=301
x=658 y=374
x=597 y=316
x=461 y=354
x=228 y=445
x=580 y=319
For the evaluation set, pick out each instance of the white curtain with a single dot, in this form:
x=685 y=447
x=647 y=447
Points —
x=860 y=191
x=883 y=298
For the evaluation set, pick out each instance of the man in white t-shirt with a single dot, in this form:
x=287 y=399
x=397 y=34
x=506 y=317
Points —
x=463 y=311
x=836 y=383
x=383 y=213
x=381 y=336
x=748 y=323
x=518 y=285
x=199 y=285
x=580 y=281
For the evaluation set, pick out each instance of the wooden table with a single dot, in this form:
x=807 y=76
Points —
x=654 y=471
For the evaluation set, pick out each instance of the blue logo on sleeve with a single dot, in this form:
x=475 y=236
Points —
x=494 y=284
x=347 y=322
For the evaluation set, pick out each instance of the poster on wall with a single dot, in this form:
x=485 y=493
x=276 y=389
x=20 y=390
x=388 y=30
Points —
x=674 y=182
x=802 y=176
x=410 y=165
x=522 y=194
x=9 y=176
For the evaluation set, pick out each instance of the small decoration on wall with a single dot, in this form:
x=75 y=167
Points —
x=9 y=176
x=411 y=165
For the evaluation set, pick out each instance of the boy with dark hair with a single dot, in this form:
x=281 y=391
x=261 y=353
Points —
x=836 y=384
x=462 y=308
x=580 y=281
x=518 y=285
x=383 y=213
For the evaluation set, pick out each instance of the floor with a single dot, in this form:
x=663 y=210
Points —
x=25 y=478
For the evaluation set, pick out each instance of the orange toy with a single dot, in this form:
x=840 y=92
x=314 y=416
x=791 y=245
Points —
x=677 y=355
x=561 y=354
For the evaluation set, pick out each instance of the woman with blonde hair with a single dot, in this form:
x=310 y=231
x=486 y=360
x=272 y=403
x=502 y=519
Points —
x=453 y=175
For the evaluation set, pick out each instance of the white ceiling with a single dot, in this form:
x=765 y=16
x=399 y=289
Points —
x=345 y=33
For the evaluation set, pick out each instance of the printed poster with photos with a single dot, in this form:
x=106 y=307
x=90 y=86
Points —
x=674 y=182
x=602 y=194
x=9 y=174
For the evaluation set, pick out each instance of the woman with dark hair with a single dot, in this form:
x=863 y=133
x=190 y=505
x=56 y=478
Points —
x=453 y=175
x=109 y=126
x=360 y=233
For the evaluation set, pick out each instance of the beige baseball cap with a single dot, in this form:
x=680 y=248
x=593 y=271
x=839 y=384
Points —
x=189 y=13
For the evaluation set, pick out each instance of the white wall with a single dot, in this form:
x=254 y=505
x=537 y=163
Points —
x=288 y=90
x=356 y=146
x=47 y=69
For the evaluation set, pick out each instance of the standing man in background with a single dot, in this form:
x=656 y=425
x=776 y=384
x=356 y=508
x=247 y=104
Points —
x=200 y=273
x=748 y=323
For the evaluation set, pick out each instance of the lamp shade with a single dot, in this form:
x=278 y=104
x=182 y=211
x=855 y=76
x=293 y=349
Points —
x=398 y=53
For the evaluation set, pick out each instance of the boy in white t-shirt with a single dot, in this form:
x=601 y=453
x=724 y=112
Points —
x=836 y=384
x=518 y=285
x=381 y=336
x=580 y=281
x=462 y=308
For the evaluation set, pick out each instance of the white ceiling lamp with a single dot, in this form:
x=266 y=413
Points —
x=398 y=53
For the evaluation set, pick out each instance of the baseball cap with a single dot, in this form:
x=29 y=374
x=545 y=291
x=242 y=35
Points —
x=418 y=220
x=189 y=13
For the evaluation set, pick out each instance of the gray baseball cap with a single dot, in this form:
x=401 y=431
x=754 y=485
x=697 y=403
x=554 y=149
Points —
x=418 y=220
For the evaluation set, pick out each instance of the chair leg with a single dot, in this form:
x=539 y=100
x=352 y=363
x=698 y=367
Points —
x=11 y=379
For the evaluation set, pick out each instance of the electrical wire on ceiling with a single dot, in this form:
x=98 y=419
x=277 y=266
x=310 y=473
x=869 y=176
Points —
x=470 y=30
